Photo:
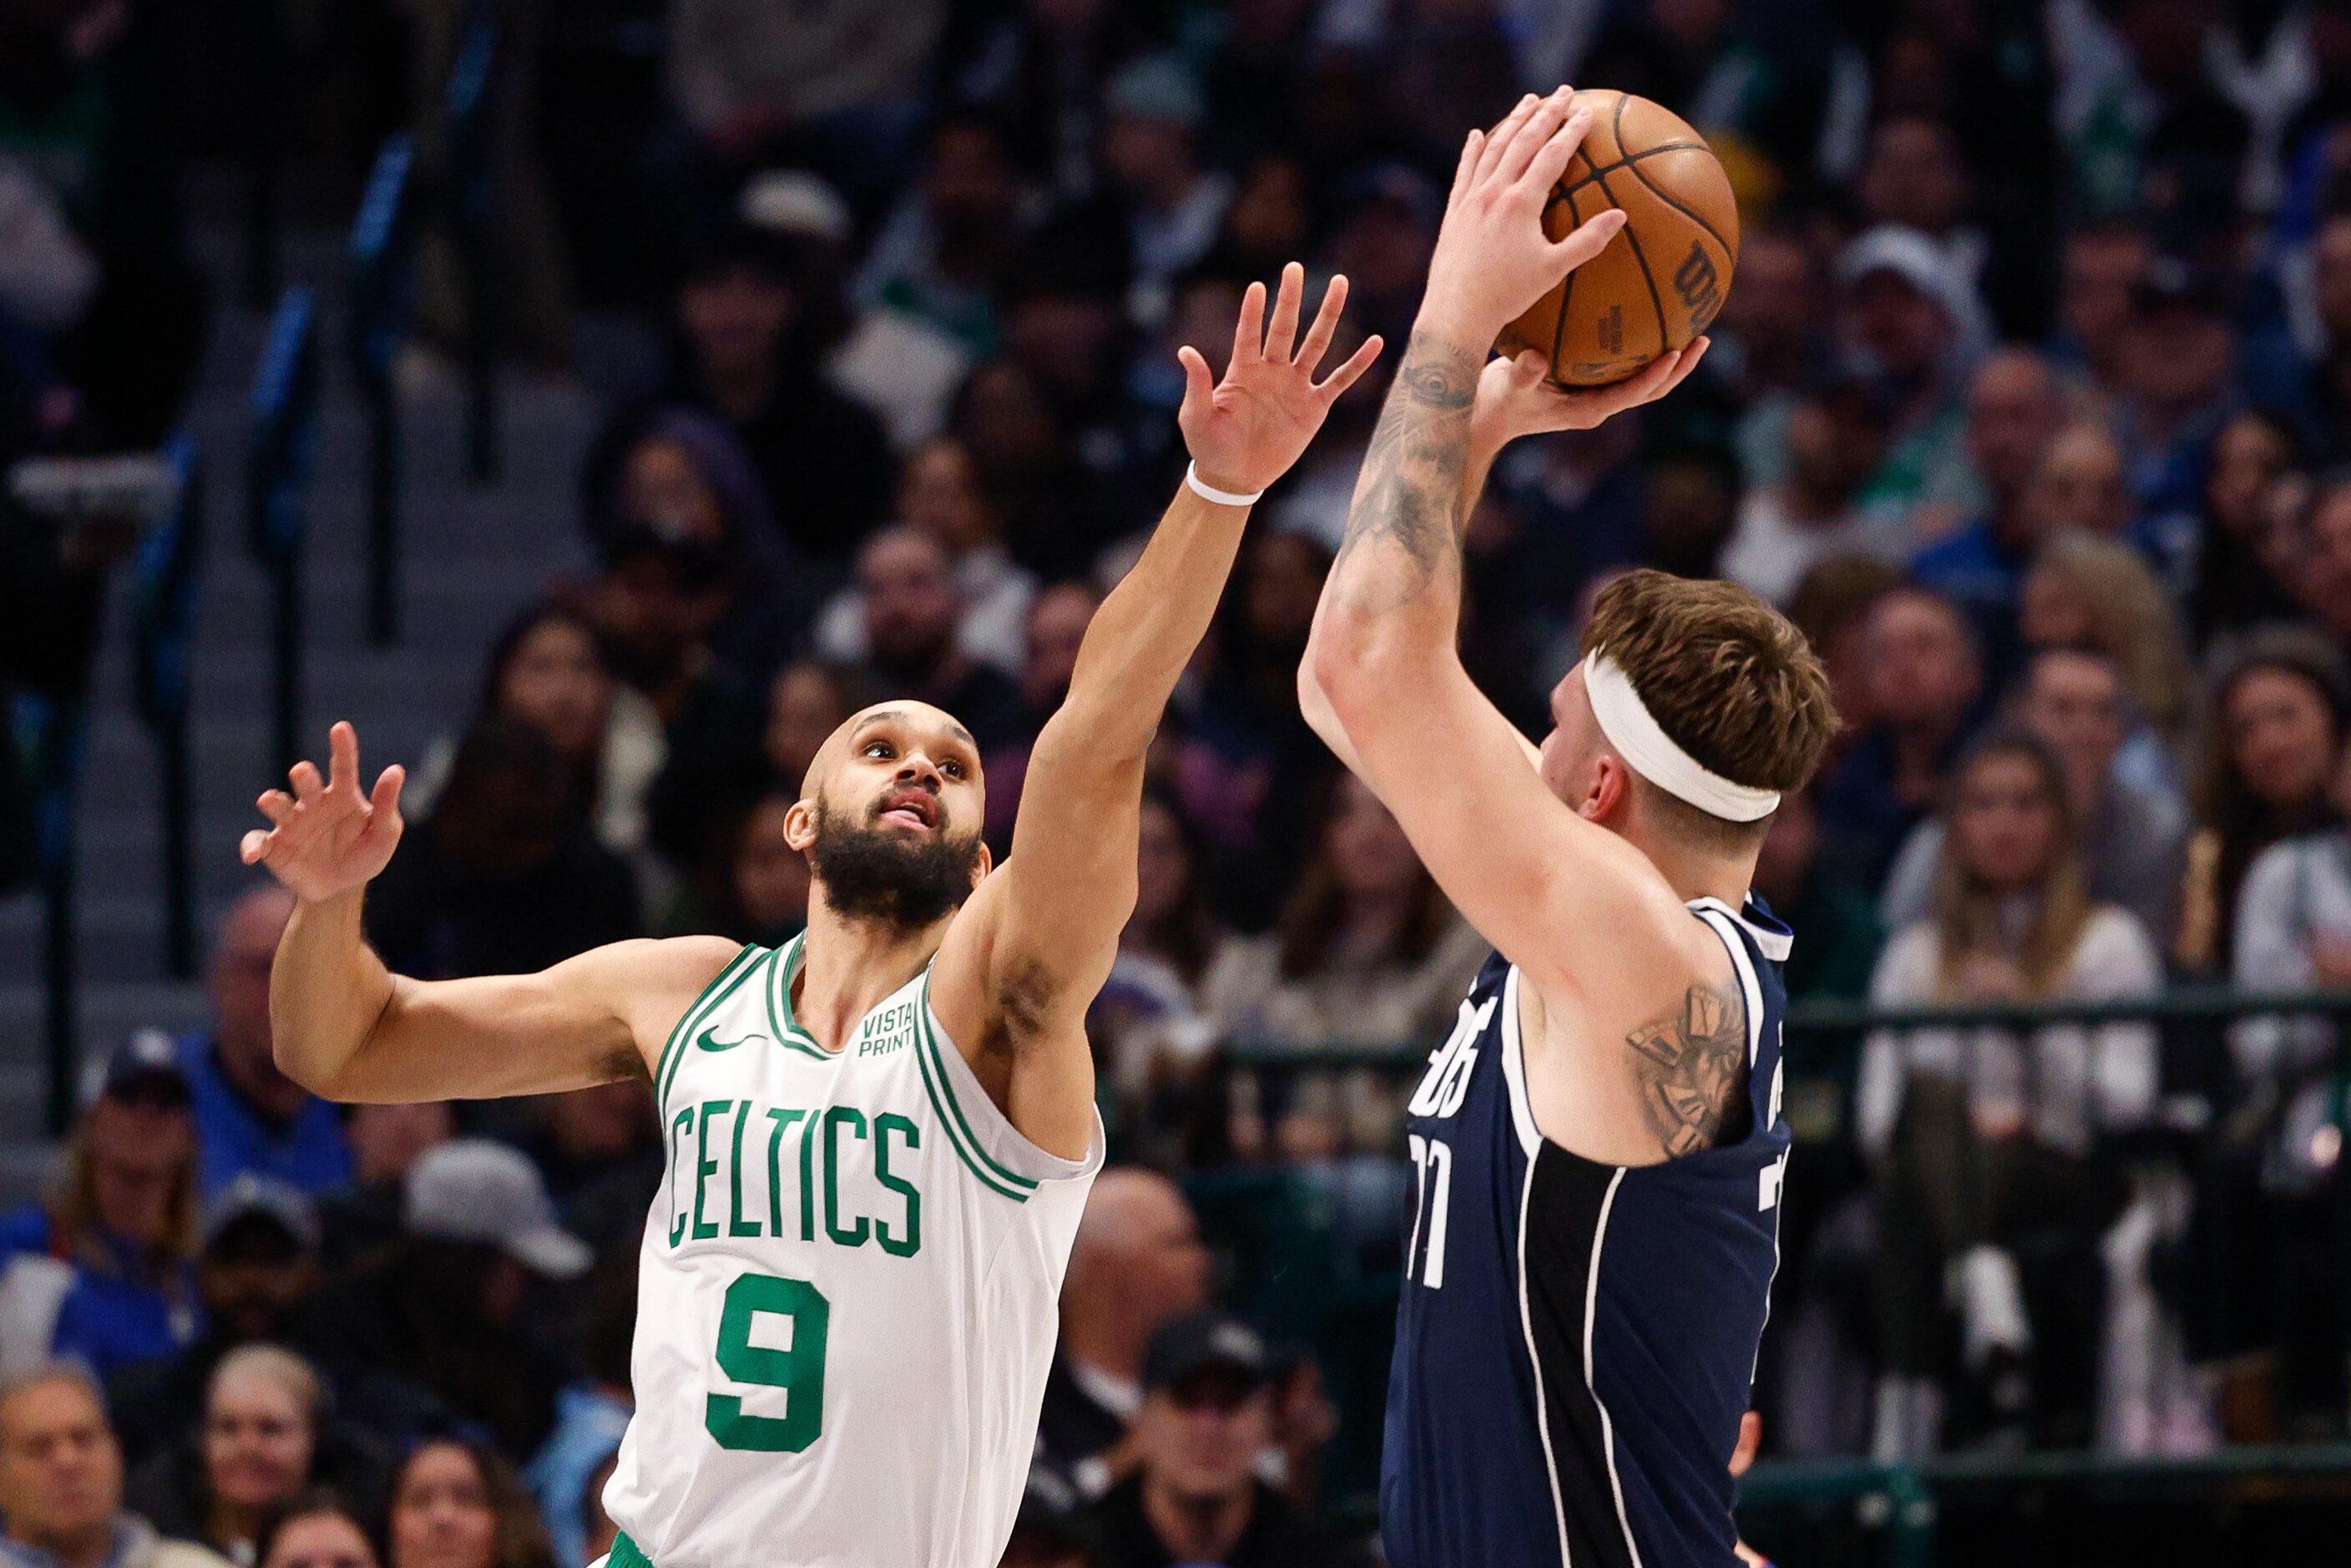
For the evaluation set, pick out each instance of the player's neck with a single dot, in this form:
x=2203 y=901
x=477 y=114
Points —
x=1693 y=874
x=849 y=965
x=1196 y=1529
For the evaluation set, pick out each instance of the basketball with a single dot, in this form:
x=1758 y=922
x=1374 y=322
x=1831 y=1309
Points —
x=1662 y=278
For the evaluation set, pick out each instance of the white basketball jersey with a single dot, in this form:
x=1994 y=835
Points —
x=848 y=1295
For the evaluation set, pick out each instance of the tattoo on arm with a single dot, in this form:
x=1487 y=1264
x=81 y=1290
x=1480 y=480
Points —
x=1410 y=492
x=1692 y=1068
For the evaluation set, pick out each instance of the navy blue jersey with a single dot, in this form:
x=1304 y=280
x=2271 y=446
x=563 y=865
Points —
x=1576 y=1342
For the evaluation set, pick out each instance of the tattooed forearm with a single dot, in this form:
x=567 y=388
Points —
x=1410 y=494
x=1692 y=1068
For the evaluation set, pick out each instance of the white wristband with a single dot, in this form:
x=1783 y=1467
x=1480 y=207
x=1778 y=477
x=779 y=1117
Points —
x=1208 y=492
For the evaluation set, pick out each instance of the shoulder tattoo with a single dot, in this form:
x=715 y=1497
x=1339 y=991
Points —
x=1692 y=1067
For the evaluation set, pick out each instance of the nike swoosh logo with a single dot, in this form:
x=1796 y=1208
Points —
x=709 y=1043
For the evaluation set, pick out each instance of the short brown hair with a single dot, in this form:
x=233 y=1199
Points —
x=1727 y=678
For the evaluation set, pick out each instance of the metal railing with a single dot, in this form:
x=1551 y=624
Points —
x=283 y=413
x=162 y=625
x=376 y=317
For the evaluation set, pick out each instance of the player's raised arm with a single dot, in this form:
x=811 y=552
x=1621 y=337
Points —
x=1042 y=932
x=1383 y=679
x=348 y=1029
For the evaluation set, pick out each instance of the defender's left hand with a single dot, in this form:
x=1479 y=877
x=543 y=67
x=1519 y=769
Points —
x=1245 y=431
x=1514 y=398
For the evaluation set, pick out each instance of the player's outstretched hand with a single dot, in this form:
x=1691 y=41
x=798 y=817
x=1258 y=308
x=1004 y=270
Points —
x=1493 y=259
x=1516 y=397
x=329 y=837
x=1245 y=431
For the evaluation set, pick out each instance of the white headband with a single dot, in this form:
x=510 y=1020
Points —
x=1650 y=752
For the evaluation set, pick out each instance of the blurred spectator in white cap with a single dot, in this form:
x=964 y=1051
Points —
x=1911 y=318
x=447 y=1325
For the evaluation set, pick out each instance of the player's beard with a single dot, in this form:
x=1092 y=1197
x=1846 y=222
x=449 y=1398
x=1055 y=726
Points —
x=870 y=872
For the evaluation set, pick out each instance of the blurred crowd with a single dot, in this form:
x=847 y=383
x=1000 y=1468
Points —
x=2030 y=403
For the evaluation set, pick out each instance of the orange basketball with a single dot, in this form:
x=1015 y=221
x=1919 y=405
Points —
x=1662 y=278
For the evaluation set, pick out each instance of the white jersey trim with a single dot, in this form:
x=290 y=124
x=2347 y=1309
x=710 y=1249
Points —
x=1591 y=1310
x=999 y=1154
x=1514 y=1068
x=1534 y=1362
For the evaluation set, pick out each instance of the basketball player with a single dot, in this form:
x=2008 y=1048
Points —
x=881 y=1136
x=1598 y=1146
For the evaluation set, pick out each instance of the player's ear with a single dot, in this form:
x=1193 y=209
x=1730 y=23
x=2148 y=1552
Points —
x=799 y=825
x=1608 y=792
x=983 y=865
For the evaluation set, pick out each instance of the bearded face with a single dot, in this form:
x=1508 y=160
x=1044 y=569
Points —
x=881 y=872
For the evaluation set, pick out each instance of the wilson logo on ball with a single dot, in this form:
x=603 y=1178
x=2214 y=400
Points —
x=1700 y=286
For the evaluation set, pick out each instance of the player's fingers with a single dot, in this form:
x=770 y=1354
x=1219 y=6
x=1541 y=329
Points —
x=1498 y=141
x=1351 y=369
x=1249 y=331
x=1588 y=239
x=385 y=797
x=342 y=757
x=1528 y=366
x=1281 y=333
x=277 y=806
x=1326 y=322
x=1549 y=161
x=1198 y=385
x=1532 y=137
x=251 y=848
x=308 y=785
x=1472 y=146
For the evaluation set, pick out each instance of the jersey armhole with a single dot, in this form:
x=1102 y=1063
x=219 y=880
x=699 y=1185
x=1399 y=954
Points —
x=995 y=1150
x=721 y=985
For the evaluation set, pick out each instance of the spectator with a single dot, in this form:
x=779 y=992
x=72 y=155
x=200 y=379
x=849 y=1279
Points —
x=258 y=1276
x=2133 y=835
x=250 y=1117
x=2102 y=266
x=597 y=1532
x=2278 y=708
x=942 y=254
x=2098 y=594
x=749 y=325
x=2013 y=407
x=1367 y=950
x=2317 y=561
x=1915 y=324
x=687 y=482
x=444 y=1326
x=1057 y=619
x=2178 y=389
x=1769 y=344
x=460 y=1505
x=317 y=1530
x=911 y=609
x=2235 y=587
x=1149 y=1030
x=1205 y=1417
x=546 y=670
x=599 y=1151
x=2079 y=484
x=386 y=1140
x=1841 y=931
x=498 y=879
x=102 y=1272
x=61 y=1482
x=939 y=495
x=759 y=891
x=590 y=1415
x=1981 y=1138
x=1921 y=678
x=1830 y=607
x=1173 y=207
x=261 y=1443
x=1137 y=1262
x=1835 y=438
x=2293 y=933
